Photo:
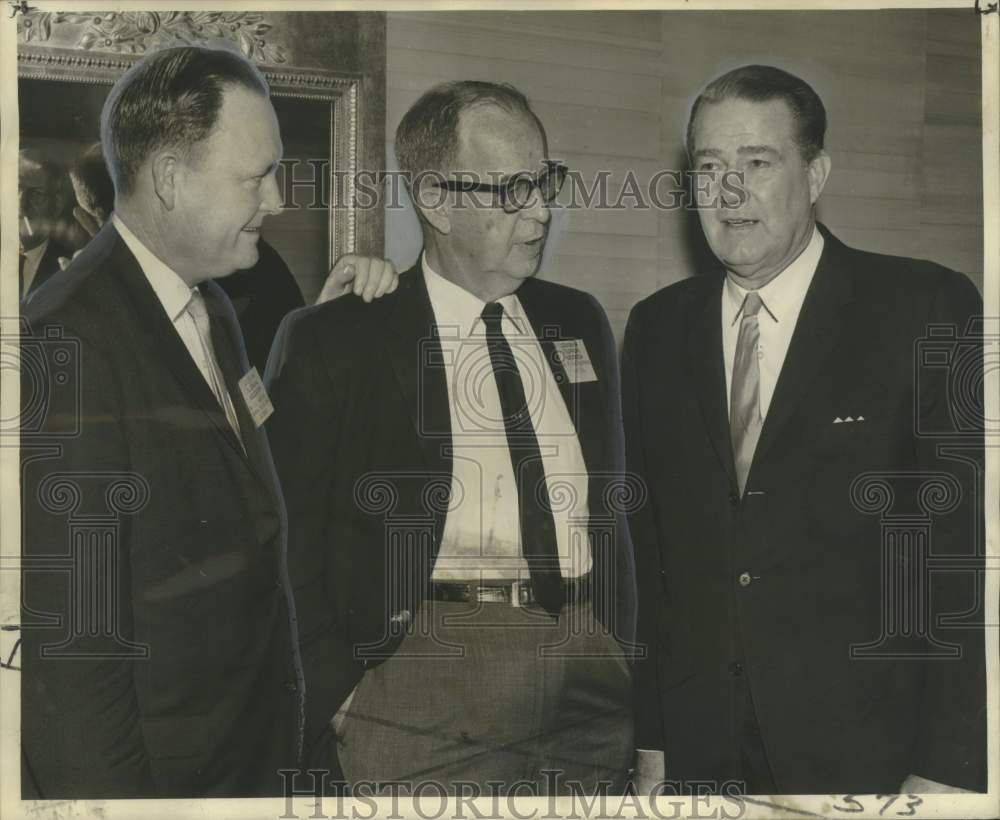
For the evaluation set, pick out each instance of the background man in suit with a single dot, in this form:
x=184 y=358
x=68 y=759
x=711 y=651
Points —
x=771 y=408
x=176 y=673
x=40 y=200
x=446 y=456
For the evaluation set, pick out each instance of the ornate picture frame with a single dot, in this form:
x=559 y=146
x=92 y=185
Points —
x=96 y=48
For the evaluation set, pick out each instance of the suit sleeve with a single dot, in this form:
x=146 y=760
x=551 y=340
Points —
x=951 y=748
x=81 y=728
x=303 y=432
x=648 y=721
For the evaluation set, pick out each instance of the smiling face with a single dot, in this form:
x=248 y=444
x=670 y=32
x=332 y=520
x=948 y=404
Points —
x=759 y=238
x=491 y=252
x=226 y=187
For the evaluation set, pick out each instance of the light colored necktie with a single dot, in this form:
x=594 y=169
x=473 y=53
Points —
x=197 y=310
x=745 y=420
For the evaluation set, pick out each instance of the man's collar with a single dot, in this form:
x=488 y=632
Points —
x=34 y=256
x=172 y=291
x=783 y=295
x=454 y=305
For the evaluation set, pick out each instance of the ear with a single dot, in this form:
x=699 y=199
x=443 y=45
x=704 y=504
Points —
x=819 y=170
x=165 y=171
x=431 y=203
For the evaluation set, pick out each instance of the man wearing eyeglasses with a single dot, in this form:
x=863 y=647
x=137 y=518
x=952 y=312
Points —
x=451 y=459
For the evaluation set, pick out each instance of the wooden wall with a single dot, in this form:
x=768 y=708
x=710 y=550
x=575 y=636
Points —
x=902 y=91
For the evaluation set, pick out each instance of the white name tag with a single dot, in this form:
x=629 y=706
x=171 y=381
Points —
x=572 y=355
x=255 y=397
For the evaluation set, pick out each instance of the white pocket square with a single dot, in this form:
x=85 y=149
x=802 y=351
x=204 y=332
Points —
x=848 y=419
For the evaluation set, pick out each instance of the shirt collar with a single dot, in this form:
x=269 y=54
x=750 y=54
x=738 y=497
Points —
x=172 y=291
x=34 y=256
x=782 y=297
x=454 y=305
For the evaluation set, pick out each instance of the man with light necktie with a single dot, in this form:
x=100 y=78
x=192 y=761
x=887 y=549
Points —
x=810 y=561
x=160 y=652
x=451 y=458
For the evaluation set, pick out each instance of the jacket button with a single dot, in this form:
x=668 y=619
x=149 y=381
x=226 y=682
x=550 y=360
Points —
x=401 y=617
x=734 y=499
x=735 y=669
x=291 y=686
x=745 y=579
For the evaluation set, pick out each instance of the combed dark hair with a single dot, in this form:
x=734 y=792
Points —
x=761 y=83
x=91 y=181
x=171 y=97
x=427 y=136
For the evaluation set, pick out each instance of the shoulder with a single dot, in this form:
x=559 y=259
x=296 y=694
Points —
x=346 y=317
x=904 y=285
x=674 y=300
x=82 y=296
x=564 y=304
x=341 y=334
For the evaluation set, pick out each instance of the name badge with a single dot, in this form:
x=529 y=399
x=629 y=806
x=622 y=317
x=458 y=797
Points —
x=572 y=355
x=255 y=397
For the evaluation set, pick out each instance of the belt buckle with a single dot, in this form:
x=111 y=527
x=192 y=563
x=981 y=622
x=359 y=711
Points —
x=490 y=595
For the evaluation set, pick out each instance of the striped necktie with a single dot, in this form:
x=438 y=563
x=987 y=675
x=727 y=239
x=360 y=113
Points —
x=745 y=420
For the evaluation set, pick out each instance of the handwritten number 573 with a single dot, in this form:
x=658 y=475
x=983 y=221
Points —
x=854 y=806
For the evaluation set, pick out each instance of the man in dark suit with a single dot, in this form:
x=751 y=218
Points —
x=803 y=506
x=450 y=458
x=40 y=202
x=160 y=650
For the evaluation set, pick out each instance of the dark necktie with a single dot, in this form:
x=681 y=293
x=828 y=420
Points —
x=745 y=421
x=21 y=260
x=538 y=527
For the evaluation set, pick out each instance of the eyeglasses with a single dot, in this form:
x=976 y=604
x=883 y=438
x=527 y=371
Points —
x=515 y=193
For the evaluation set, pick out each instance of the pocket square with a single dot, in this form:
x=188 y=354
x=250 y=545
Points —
x=848 y=419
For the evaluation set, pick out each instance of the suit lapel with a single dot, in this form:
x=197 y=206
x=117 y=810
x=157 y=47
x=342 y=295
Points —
x=231 y=354
x=589 y=422
x=418 y=365
x=707 y=369
x=158 y=335
x=819 y=327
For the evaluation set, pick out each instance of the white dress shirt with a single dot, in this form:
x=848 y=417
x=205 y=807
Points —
x=482 y=535
x=174 y=295
x=32 y=259
x=782 y=300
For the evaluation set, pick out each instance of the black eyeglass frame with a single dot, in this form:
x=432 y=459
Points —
x=507 y=193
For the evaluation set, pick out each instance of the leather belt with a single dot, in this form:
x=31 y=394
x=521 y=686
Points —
x=511 y=593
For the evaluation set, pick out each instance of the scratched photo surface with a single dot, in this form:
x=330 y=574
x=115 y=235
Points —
x=448 y=413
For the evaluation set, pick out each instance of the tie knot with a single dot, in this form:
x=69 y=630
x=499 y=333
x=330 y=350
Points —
x=752 y=304
x=196 y=307
x=492 y=315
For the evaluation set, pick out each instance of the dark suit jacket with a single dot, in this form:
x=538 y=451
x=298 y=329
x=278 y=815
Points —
x=262 y=296
x=183 y=682
x=48 y=265
x=810 y=537
x=360 y=435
